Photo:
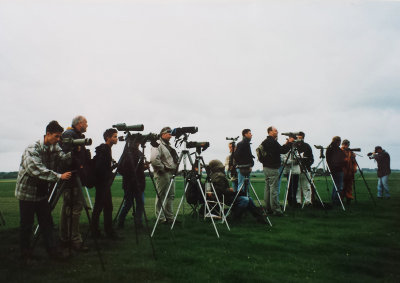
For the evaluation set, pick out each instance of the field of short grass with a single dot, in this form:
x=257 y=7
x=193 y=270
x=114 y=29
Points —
x=360 y=244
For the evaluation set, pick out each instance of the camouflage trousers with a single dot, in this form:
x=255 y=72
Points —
x=73 y=201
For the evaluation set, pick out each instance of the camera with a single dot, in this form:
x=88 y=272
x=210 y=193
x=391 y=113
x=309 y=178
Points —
x=291 y=134
x=202 y=145
x=124 y=127
x=355 y=149
x=141 y=139
x=232 y=139
x=319 y=146
x=177 y=132
x=76 y=142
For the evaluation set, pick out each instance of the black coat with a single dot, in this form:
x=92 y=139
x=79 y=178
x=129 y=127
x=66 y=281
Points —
x=306 y=151
x=383 y=160
x=273 y=152
x=103 y=167
x=243 y=155
x=335 y=158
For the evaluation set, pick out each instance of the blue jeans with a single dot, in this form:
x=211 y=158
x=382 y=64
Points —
x=129 y=196
x=338 y=179
x=383 y=185
x=240 y=181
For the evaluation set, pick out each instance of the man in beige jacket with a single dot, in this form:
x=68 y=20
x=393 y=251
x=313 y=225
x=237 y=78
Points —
x=164 y=160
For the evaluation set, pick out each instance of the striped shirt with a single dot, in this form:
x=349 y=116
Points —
x=39 y=163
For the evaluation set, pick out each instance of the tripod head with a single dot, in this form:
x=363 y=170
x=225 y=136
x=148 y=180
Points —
x=321 y=148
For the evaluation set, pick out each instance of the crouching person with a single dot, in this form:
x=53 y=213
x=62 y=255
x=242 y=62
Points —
x=36 y=174
x=242 y=203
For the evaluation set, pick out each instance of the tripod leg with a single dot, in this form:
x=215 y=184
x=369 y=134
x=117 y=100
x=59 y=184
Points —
x=3 y=222
x=119 y=210
x=179 y=206
x=85 y=206
x=220 y=207
x=366 y=184
x=337 y=191
x=259 y=202
x=234 y=200
x=148 y=233
x=162 y=205
x=287 y=190
x=207 y=206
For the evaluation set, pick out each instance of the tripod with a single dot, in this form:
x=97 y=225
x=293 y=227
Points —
x=295 y=157
x=246 y=183
x=2 y=221
x=53 y=199
x=184 y=155
x=326 y=168
x=134 y=171
x=365 y=182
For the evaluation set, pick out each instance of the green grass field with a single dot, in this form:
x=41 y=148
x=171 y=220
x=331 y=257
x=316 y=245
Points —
x=360 y=244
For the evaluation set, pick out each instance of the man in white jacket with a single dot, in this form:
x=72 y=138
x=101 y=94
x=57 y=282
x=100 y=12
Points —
x=164 y=160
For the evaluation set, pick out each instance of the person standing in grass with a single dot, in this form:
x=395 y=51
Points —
x=36 y=174
x=383 y=160
x=164 y=160
x=336 y=161
x=103 y=201
x=349 y=169
x=271 y=163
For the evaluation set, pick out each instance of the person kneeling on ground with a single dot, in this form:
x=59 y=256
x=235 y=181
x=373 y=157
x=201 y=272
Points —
x=242 y=203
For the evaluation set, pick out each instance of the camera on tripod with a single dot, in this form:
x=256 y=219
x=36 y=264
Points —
x=200 y=146
x=125 y=128
x=77 y=142
x=232 y=139
x=291 y=134
x=177 y=132
x=142 y=139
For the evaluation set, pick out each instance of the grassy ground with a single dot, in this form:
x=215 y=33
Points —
x=360 y=244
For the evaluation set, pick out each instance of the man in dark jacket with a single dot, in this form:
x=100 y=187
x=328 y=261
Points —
x=103 y=169
x=335 y=158
x=383 y=160
x=133 y=182
x=271 y=163
x=73 y=199
x=307 y=159
x=244 y=157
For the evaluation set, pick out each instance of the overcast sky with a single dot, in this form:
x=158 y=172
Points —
x=326 y=68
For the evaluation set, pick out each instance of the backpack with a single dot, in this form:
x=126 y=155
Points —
x=261 y=153
x=193 y=194
x=88 y=172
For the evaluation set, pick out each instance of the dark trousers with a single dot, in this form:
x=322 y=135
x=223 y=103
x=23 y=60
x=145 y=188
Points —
x=103 y=202
x=129 y=197
x=27 y=210
x=293 y=186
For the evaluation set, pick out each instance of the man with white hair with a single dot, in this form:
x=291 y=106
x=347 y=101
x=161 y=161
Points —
x=73 y=199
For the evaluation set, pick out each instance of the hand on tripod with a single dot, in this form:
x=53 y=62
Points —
x=66 y=176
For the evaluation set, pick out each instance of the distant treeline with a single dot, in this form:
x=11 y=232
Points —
x=8 y=175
